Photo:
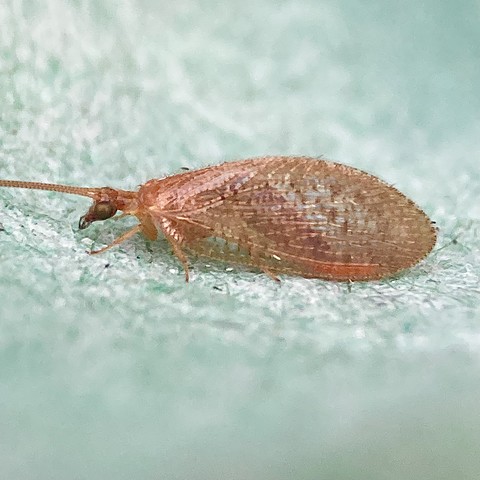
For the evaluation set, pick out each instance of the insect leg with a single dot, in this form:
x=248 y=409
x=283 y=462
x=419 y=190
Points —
x=272 y=276
x=120 y=239
x=180 y=254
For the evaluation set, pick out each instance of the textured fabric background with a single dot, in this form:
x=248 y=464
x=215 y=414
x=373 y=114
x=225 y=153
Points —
x=113 y=367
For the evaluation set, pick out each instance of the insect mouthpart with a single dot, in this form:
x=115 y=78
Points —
x=84 y=223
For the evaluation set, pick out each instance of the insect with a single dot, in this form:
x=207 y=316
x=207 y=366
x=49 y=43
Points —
x=283 y=215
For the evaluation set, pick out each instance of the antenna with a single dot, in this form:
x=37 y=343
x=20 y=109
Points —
x=83 y=191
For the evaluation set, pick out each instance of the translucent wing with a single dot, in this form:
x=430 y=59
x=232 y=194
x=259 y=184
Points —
x=301 y=216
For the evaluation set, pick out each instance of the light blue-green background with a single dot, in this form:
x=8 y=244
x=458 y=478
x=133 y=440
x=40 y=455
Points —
x=126 y=371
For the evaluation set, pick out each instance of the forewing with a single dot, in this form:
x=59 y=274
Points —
x=308 y=217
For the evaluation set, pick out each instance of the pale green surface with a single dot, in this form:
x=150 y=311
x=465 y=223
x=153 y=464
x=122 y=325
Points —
x=127 y=372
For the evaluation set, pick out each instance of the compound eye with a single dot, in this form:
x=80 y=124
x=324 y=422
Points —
x=104 y=210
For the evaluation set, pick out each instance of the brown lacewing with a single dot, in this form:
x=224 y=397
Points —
x=283 y=215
